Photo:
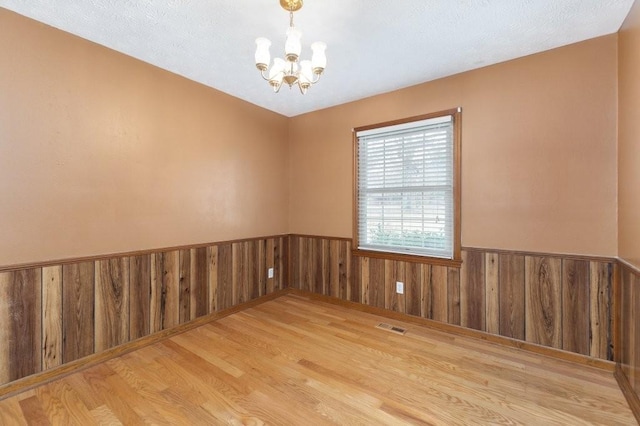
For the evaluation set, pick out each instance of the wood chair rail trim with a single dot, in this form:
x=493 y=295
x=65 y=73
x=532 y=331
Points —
x=66 y=261
x=445 y=262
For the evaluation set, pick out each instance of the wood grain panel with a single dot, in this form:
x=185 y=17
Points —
x=330 y=267
x=252 y=262
x=295 y=263
x=453 y=296
x=212 y=262
x=316 y=262
x=344 y=268
x=352 y=285
x=390 y=299
x=271 y=283
x=111 y=303
x=412 y=288
x=365 y=268
x=184 y=286
x=307 y=262
x=20 y=316
x=52 y=335
x=472 y=290
x=543 y=281
x=626 y=322
x=631 y=335
x=425 y=288
x=630 y=327
x=376 y=283
x=199 y=274
x=261 y=265
x=225 y=277
x=250 y=250
x=165 y=290
x=78 y=310
x=139 y=296
x=239 y=277
x=575 y=306
x=355 y=282
x=281 y=262
x=511 y=288
x=394 y=271
x=311 y=264
x=600 y=310
x=635 y=333
x=492 y=293
x=438 y=291
x=338 y=262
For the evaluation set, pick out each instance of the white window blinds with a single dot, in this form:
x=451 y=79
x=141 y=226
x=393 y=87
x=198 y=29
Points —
x=405 y=188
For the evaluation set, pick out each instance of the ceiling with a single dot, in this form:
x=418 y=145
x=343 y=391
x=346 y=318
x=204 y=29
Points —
x=374 y=46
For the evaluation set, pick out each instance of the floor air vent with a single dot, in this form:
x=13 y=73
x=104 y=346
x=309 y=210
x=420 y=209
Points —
x=391 y=328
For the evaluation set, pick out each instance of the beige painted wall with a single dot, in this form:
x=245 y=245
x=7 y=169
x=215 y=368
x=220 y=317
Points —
x=629 y=138
x=101 y=153
x=538 y=152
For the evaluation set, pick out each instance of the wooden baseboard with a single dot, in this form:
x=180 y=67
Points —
x=462 y=331
x=47 y=376
x=627 y=391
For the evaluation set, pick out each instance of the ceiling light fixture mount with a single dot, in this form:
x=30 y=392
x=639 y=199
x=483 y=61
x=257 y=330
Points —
x=291 y=5
x=289 y=70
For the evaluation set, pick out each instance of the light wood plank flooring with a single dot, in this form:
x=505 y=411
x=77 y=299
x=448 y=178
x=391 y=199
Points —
x=302 y=362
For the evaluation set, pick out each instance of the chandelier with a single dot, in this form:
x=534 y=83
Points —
x=289 y=70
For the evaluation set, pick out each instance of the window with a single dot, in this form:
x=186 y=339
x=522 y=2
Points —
x=407 y=186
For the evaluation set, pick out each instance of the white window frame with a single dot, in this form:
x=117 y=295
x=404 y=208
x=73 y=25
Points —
x=417 y=240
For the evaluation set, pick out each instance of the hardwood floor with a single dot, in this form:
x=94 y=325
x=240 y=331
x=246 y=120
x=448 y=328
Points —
x=297 y=361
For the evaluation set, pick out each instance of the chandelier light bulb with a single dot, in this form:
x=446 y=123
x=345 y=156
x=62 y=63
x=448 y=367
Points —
x=263 y=57
x=277 y=73
x=290 y=70
x=278 y=67
x=306 y=72
x=318 y=58
x=293 y=45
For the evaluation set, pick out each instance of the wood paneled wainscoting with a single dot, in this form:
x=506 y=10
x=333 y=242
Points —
x=628 y=371
x=57 y=312
x=557 y=301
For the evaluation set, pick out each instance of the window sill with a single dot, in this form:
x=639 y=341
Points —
x=454 y=263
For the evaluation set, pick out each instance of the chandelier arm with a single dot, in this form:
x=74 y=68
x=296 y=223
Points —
x=264 y=74
x=315 y=79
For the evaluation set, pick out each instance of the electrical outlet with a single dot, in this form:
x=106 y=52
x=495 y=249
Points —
x=270 y=273
x=399 y=287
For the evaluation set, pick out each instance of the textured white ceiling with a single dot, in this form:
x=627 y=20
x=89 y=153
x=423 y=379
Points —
x=374 y=46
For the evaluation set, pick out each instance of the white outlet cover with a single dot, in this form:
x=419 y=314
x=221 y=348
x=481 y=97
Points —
x=270 y=273
x=399 y=287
